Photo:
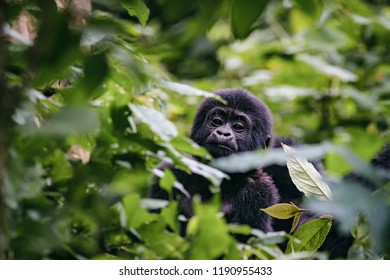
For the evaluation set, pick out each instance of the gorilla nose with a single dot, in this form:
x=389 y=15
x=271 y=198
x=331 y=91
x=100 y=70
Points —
x=224 y=132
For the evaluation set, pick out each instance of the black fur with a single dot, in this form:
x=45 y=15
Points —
x=243 y=124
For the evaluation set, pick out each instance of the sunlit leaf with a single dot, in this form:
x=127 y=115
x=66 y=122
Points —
x=305 y=177
x=137 y=8
x=157 y=122
x=282 y=210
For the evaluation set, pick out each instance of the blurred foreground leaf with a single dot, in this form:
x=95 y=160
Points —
x=156 y=121
x=137 y=8
x=70 y=120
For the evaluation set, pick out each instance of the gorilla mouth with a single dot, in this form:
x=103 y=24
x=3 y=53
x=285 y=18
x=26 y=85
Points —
x=220 y=149
x=221 y=146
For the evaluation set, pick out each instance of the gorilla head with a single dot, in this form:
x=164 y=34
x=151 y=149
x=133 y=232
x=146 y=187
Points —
x=244 y=123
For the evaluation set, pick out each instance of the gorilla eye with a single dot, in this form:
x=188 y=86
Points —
x=216 y=121
x=238 y=127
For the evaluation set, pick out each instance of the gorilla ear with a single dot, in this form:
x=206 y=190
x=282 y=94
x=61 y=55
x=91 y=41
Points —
x=268 y=141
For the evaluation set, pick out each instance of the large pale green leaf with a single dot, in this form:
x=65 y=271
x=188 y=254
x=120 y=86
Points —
x=157 y=122
x=305 y=177
x=310 y=236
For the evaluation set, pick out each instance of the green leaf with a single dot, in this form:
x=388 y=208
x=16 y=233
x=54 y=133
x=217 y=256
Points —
x=269 y=237
x=163 y=243
x=310 y=236
x=137 y=8
x=282 y=211
x=243 y=15
x=305 y=177
x=60 y=168
x=243 y=162
x=215 y=176
x=157 y=122
x=212 y=236
x=312 y=8
x=133 y=215
x=285 y=211
x=326 y=38
x=56 y=46
x=186 y=145
x=169 y=214
x=351 y=198
x=70 y=120
x=327 y=69
x=187 y=90
x=295 y=221
x=95 y=71
x=240 y=229
x=168 y=180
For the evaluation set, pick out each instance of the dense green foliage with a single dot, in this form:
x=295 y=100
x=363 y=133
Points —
x=103 y=90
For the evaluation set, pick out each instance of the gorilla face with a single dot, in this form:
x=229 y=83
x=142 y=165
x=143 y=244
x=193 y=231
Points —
x=243 y=124
x=227 y=130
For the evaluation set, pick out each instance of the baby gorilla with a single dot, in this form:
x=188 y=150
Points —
x=243 y=124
